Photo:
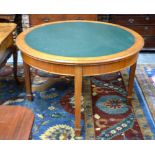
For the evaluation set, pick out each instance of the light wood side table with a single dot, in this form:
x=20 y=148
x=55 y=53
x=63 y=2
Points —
x=7 y=47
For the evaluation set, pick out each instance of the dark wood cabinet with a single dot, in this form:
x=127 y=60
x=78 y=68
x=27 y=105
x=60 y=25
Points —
x=36 y=19
x=7 y=17
x=12 y=18
x=133 y=19
x=144 y=24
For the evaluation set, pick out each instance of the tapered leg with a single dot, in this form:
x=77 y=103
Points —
x=28 y=81
x=15 y=58
x=78 y=93
x=131 y=82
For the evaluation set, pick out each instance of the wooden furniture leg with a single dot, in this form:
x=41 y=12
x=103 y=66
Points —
x=78 y=93
x=15 y=58
x=131 y=82
x=28 y=81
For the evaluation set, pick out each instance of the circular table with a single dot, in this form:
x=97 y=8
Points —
x=79 y=48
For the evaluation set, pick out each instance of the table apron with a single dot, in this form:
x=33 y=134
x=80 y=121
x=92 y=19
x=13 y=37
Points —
x=6 y=43
x=87 y=70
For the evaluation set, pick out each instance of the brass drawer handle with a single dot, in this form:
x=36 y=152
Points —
x=145 y=38
x=11 y=20
x=147 y=18
x=79 y=18
x=131 y=20
x=46 y=20
x=146 y=28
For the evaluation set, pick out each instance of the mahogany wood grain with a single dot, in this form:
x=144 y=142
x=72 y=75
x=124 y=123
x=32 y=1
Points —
x=144 y=30
x=133 y=19
x=149 y=42
x=15 y=123
x=36 y=19
x=144 y=24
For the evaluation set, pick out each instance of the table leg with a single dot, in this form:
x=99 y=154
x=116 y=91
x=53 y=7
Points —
x=28 y=81
x=131 y=82
x=15 y=58
x=78 y=93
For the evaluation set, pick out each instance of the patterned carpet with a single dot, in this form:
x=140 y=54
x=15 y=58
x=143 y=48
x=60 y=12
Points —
x=105 y=112
x=146 y=78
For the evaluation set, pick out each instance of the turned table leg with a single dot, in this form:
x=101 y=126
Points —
x=78 y=93
x=131 y=82
x=28 y=81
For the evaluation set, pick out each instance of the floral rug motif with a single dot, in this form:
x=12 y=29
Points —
x=113 y=117
x=105 y=112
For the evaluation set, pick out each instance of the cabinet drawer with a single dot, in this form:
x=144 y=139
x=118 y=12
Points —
x=80 y=17
x=149 y=42
x=36 y=19
x=7 y=18
x=144 y=30
x=42 y=18
x=133 y=19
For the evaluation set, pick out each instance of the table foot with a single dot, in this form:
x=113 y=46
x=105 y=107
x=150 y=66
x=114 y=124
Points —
x=129 y=98
x=77 y=132
x=29 y=97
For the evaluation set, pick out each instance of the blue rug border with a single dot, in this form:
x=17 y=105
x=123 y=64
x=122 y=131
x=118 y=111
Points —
x=144 y=106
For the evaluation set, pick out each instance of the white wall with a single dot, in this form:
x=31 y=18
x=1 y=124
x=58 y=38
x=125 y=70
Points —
x=19 y=58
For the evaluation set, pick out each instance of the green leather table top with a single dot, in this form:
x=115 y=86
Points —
x=79 y=39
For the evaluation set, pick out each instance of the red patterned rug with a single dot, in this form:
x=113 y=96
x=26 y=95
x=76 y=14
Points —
x=105 y=110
